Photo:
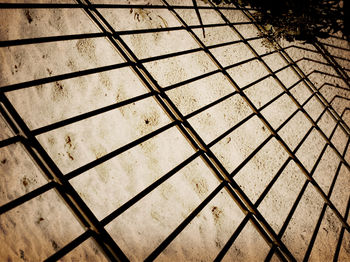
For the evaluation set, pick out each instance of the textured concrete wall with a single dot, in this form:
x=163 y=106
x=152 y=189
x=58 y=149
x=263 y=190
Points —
x=36 y=229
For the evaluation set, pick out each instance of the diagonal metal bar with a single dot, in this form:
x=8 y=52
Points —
x=312 y=88
x=100 y=6
x=283 y=143
x=341 y=234
x=330 y=59
x=296 y=203
x=184 y=130
x=94 y=228
x=250 y=206
x=269 y=186
x=48 y=39
x=83 y=214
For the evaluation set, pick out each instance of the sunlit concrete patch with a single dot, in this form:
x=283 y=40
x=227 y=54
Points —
x=345 y=247
x=125 y=2
x=173 y=70
x=78 y=55
x=263 y=92
x=340 y=104
x=39 y=1
x=279 y=200
x=260 y=46
x=79 y=143
x=301 y=92
x=294 y=130
x=37 y=228
x=190 y=17
x=109 y=185
x=5 y=129
x=338 y=139
x=301 y=227
x=138 y=18
x=311 y=147
x=288 y=77
x=158 y=214
x=232 y=150
x=87 y=251
x=44 y=22
x=247 y=30
x=217 y=119
x=228 y=55
x=275 y=62
x=328 y=165
x=195 y=95
x=160 y=43
x=260 y=170
x=279 y=111
x=14 y=182
x=346 y=117
x=79 y=95
x=216 y=35
x=235 y=16
x=327 y=237
x=253 y=68
x=340 y=194
x=207 y=233
x=249 y=246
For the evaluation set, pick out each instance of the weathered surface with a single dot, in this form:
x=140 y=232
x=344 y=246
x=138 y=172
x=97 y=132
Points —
x=39 y=227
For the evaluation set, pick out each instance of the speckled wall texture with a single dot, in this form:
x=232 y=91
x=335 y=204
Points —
x=128 y=133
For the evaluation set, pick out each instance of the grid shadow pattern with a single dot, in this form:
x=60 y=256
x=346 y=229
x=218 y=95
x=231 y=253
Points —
x=323 y=94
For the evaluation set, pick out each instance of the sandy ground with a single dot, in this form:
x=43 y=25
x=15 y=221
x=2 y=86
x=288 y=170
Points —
x=41 y=226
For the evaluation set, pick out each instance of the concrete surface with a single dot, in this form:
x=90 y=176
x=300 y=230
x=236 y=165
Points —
x=36 y=229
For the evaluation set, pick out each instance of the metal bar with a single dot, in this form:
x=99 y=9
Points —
x=341 y=234
x=60 y=182
x=240 y=192
x=69 y=247
x=130 y=55
x=49 y=39
x=83 y=214
x=184 y=223
x=50 y=79
x=330 y=59
x=295 y=158
x=29 y=196
x=313 y=238
x=272 y=182
x=102 y=6
x=308 y=83
x=9 y=141
x=296 y=203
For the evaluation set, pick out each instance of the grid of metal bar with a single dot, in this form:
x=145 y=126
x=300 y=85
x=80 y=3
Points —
x=95 y=228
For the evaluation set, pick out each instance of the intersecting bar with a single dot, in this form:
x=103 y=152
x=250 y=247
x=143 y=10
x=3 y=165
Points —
x=63 y=188
x=267 y=189
x=95 y=228
x=100 y=6
x=197 y=138
x=289 y=151
x=296 y=203
x=308 y=83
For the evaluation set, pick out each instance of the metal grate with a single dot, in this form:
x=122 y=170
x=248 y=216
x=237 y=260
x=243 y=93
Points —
x=95 y=227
